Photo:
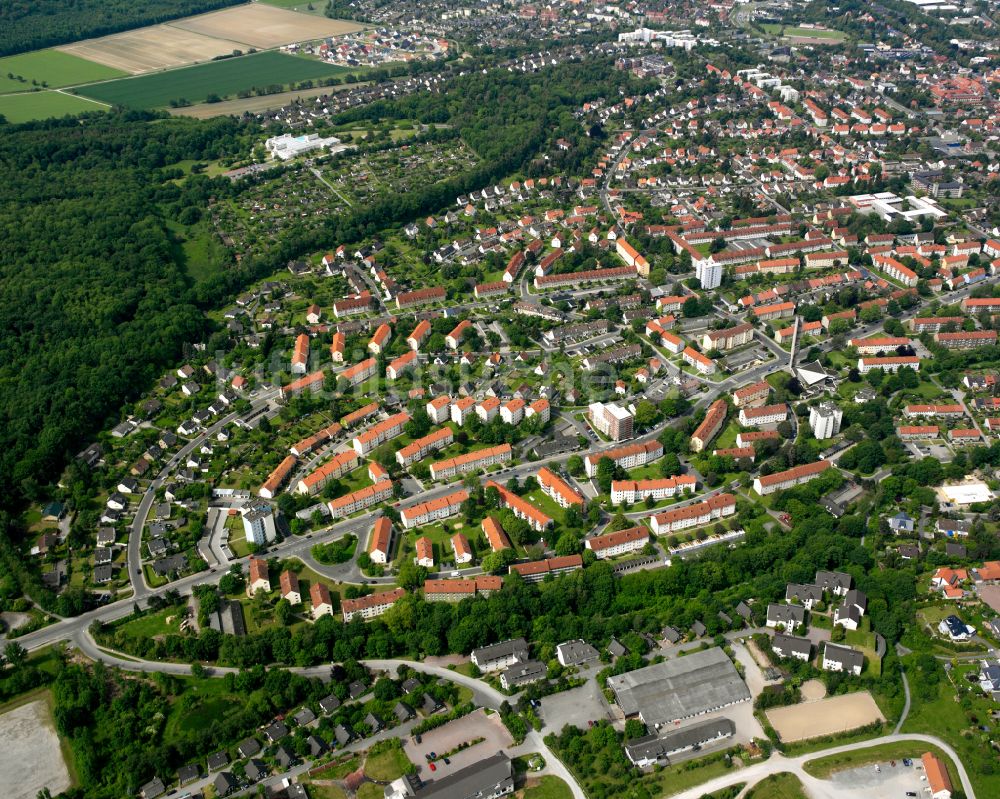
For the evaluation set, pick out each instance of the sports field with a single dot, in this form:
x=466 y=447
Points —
x=805 y=33
x=223 y=78
x=829 y=716
x=27 y=106
x=206 y=36
x=50 y=67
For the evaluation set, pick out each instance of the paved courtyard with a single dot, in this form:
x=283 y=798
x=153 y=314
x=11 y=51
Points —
x=446 y=738
x=888 y=782
x=575 y=707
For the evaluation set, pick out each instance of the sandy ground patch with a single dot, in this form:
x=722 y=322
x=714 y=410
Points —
x=828 y=716
x=264 y=26
x=27 y=737
x=446 y=738
x=813 y=690
x=152 y=48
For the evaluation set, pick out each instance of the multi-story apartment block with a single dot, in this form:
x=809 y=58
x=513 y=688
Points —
x=422 y=447
x=368 y=607
x=554 y=486
x=361 y=499
x=471 y=461
x=379 y=433
x=631 y=491
x=628 y=457
x=381 y=541
x=339 y=465
x=522 y=509
x=779 y=481
x=712 y=508
x=752 y=396
x=888 y=364
x=611 y=545
x=432 y=510
x=727 y=339
x=764 y=414
x=612 y=420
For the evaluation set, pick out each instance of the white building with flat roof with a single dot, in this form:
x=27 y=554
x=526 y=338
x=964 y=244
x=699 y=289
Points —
x=286 y=146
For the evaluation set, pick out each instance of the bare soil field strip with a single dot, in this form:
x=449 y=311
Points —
x=152 y=48
x=828 y=716
x=264 y=26
x=30 y=756
x=257 y=104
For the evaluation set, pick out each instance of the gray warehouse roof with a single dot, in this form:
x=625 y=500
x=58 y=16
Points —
x=680 y=688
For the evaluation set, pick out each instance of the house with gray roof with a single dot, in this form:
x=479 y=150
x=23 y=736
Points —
x=255 y=770
x=248 y=748
x=224 y=783
x=837 y=583
x=496 y=657
x=523 y=673
x=791 y=646
x=787 y=616
x=575 y=653
x=807 y=595
x=328 y=704
x=153 y=789
x=842 y=658
x=189 y=773
x=487 y=779
x=218 y=761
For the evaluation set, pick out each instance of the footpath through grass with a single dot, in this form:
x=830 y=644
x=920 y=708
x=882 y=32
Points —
x=28 y=106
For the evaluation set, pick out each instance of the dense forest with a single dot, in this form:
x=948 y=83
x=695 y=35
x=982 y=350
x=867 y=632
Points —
x=32 y=24
x=94 y=300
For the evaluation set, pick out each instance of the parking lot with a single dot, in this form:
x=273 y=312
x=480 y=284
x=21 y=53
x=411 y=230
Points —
x=575 y=707
x=887 y=781
x=454 y=733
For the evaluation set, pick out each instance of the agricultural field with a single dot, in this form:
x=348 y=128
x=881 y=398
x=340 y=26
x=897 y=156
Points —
x=50 y=69
x=150 y=49
x=257 y=104
x=207 y=36
x=221 y=78
x=265 y=26
x=26 y=106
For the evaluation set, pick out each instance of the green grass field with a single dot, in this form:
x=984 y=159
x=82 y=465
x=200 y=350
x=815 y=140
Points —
x=302 y=6
x=778 y=786
x=222 y=78
x=51 y=67
x=549 y=788
x=805 y=33
x=27 y=106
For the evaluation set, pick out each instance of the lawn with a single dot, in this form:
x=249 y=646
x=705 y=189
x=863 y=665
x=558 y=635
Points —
x=222 y=78
x=549 y=788
x=387 y=765
x=326 y=791
x=27 y=106
x=318 y=7
x=202 y=703
x=778 y=786
x=371 y=791
x=52 y=69
x=945 y=718
x=154 y=624
x=823 y=767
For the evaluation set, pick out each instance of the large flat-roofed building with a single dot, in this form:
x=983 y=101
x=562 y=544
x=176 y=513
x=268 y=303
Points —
x=682 y=688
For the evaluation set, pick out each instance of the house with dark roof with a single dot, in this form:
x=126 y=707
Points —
x=786 y=616
x=616 y=648
x=430 y=705
x=522 y=673
x=218 y=761
x=744 y=612
x=153 y=789
x=842 y=658
x=671 y=635
x=791 y=646
x=575 y=653
x=285 y=757
x=186 y=774
x=328 y=704
x=316 y=746
x=255 y=770
x=807 y=595
x=248 y=748
x=304 y=716
x=955 y=628
x=698 y=628
x=837 y=583
x=224 y=783
x=402 y=712
x=343 y=734
x=275 y=732
x=849 y=613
